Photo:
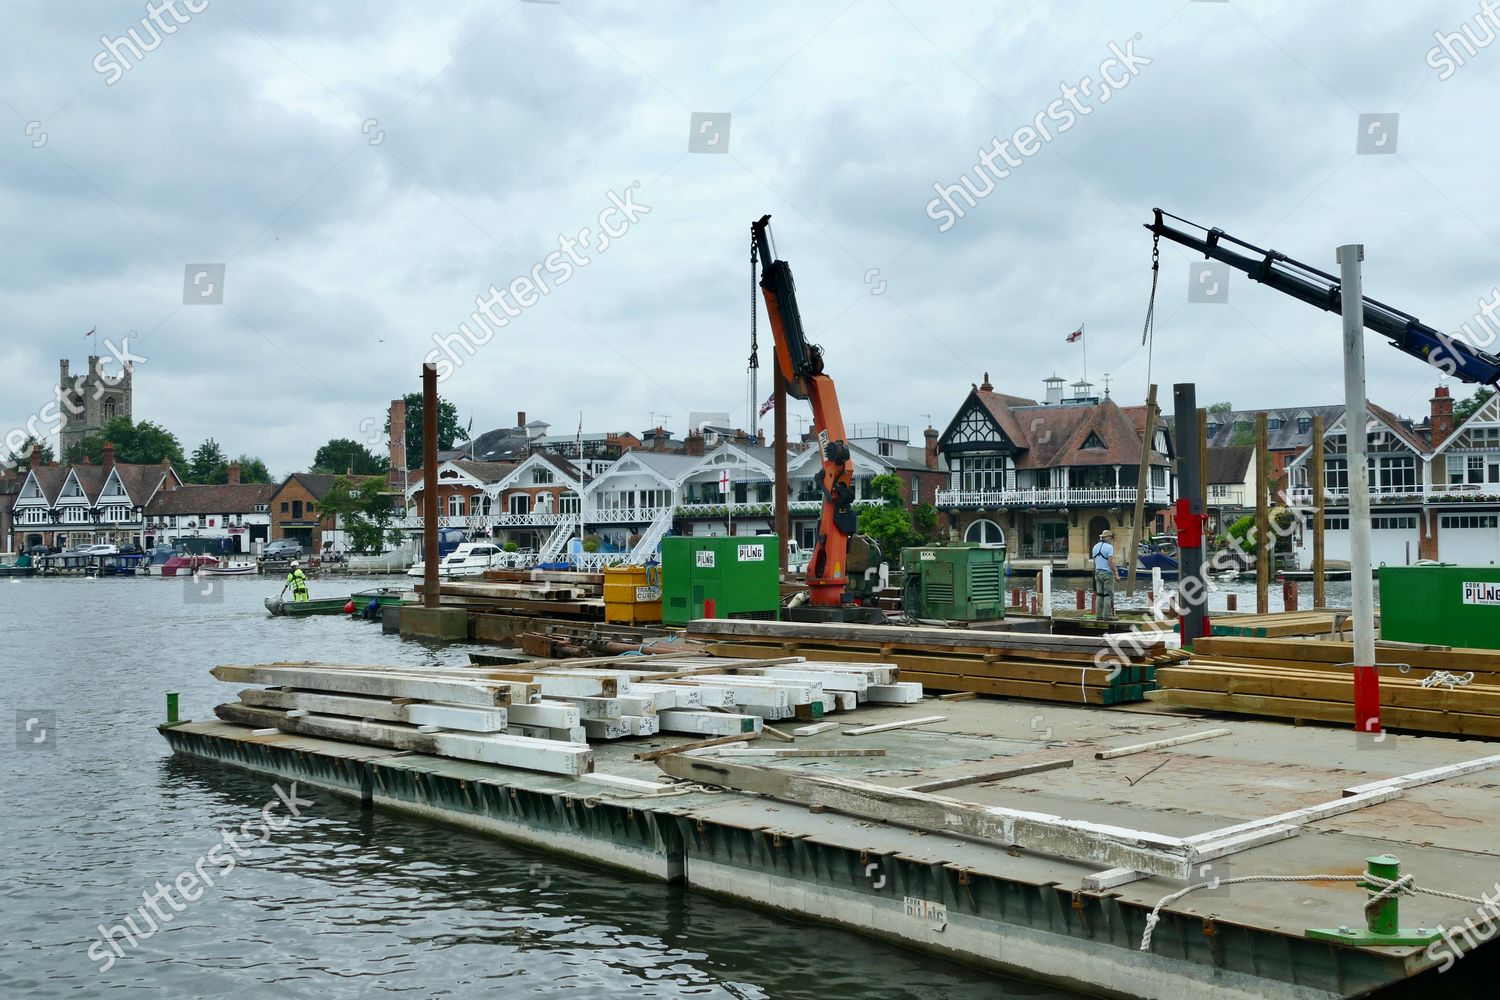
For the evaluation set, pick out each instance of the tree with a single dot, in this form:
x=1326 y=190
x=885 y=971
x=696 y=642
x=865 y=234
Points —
x=890 y=524
x=253 y=470
x=449 y=431
x=342 y=455
x=925 y=517
x=1466 y=408
x=20 y=459
x=144 y=443
x=208 y=464
x=363 y=510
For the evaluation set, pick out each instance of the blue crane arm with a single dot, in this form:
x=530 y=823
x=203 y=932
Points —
x=1318 y=288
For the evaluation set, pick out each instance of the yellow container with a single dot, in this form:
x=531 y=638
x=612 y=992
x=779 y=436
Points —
x=632 y=595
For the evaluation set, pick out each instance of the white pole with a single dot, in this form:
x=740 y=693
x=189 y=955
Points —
x=1046 y=602
x=1356 y=418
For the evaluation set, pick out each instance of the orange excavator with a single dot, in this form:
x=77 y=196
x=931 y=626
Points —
x=839 y=574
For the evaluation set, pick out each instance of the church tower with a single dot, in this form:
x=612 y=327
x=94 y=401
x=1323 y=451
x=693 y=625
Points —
x=89 y=401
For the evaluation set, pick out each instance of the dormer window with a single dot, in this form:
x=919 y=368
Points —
x=1093 y=440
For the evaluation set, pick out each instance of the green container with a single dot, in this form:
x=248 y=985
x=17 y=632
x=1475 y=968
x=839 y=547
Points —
x=960 y=583
x=740 y=574
x=1447 y=605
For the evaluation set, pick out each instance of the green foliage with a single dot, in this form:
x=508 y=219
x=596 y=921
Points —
x=20 y=459
x=253 y=470
x=890 y=524
x=591 y=545
x=343 y=456
x=208 y=464
x=1244 y=433
x=364 y=511
x=449 y=431
x=511 y=547
x=144 y=443
x=1241 y=530
x=1220 y=409
x=925 y=517
x=1464 y=408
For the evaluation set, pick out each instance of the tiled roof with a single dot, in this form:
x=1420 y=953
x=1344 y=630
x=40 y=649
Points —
x=1230 y=464
x=217 y=499
x=1053 y=435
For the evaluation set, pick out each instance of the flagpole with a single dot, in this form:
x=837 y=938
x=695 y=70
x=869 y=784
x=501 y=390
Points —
x=1084 y=339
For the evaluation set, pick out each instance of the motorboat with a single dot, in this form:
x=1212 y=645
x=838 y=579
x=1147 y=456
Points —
x=469 y=559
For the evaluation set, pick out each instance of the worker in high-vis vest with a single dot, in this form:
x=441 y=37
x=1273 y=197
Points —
x=297 y=580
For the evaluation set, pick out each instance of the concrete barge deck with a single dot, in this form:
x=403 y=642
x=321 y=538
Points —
x=1012 y=909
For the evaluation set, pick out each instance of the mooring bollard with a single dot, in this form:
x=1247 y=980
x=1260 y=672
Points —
x=1232 y=602
x=1015 y=597
x=1289 y=595
x=171 y=708
x=1080 y=599
x=1035 y=605
x=1382 y=913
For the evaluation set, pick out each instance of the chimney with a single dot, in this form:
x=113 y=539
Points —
x=234 y=473
x=521 y=418
x=109 y=456
x=395 y=475
x=659 y=440
x=36 y=452
x=693 y=444
x=167 y=483
x=985 y=385
x=931 y=436
x=1442 y=415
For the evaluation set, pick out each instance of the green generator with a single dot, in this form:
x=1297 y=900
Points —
x=1443 y=604
x=958 y=583
x=741 y=575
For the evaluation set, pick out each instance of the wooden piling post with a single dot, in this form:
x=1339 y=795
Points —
x=1262 y=519
x=1289 y=595
x=429 y=486
x=1080 y=599
x=1142 y=482
x=1232 y=602
x=782 y=495
x=1319 y=500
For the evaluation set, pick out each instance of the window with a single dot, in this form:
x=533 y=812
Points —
x=984 y=473
x=109 y=409
x=520 y=503
x=568 y=503
x=984 y=532
x=1389 y=522
x=1336 y=475
x=1304 y=425
x=455 y=505
x=1218 y=491
x=1093 y=440
x=1336 y=524
x=1396 y=473
x=541 y=477
x=296 y=510
x=1158 y=476
x=885 y=449
x=1469 y=521
x=1273 y=423
x=285 y=506
x=1476 y=468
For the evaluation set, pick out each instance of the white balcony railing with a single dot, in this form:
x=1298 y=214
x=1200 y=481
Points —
x=534 y=519
x=1450 y=492
x=623 y=515
x=1051 y=497
x=759 y=509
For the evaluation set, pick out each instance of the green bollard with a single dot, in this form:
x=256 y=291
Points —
x=172 y=719
x=1382 y=920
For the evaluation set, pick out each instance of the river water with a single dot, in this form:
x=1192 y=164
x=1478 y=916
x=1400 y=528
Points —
x=341 y=903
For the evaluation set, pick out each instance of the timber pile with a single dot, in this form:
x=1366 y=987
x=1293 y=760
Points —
x=1079 y=669
x=543 y=715
x=1288 y=679
x=536 y=591
x=1280 y=624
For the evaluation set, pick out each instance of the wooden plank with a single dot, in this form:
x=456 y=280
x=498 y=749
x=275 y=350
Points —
x=796 y=752
x=718 y=741
x=708 y=723
x=509 y=751
x=1163 y=744
x=925 y=720
x=385 y=685
x=815 y=729
x=958 y=696
x=1451 y=723
x=1429 y=776
x=1014 y=771
x=1073 y=839
x=775 y=733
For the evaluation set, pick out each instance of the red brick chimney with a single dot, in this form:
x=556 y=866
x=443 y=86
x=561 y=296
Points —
x=1442 y=415
x=693 y=444
x=520 y=418
x=167 y=483
x=931 y=436
x=36 y=455
x=234 y=473
x=659 y=439
x=985 y=385
x=109 y=456
x=396 y=474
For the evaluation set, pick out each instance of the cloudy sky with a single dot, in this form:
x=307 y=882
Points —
x=364 y=172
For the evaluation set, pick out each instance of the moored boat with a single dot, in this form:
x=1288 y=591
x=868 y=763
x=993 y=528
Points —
x=281 y=606
x=186 y=565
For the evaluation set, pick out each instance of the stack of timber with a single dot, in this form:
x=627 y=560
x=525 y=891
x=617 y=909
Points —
x=1441 y=690
x=546 y=591
x=1108 y=670
x=543 y=715
x=1280 y=624
x=460 y=712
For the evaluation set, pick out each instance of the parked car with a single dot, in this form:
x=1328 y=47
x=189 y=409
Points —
x=130 y=549
x=283 y=548
x=102 y=550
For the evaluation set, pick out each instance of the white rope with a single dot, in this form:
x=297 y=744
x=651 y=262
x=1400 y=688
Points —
x=1388 y=888
x=1450 y=681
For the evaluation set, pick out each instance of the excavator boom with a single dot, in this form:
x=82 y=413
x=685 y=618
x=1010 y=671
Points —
x=801 y=365
x=1318 y=288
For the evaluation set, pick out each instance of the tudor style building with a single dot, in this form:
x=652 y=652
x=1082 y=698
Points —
x=1045 y=478
x=83 y=504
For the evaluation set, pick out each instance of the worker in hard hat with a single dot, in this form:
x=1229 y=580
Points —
x=1103 y=555
x=297 y=581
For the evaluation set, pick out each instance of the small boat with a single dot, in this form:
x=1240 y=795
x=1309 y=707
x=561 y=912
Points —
x=282 y=606
x=228 y=570
x=21 y=567
x=469 y=559
x=1152 y=555
x=187 y=565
